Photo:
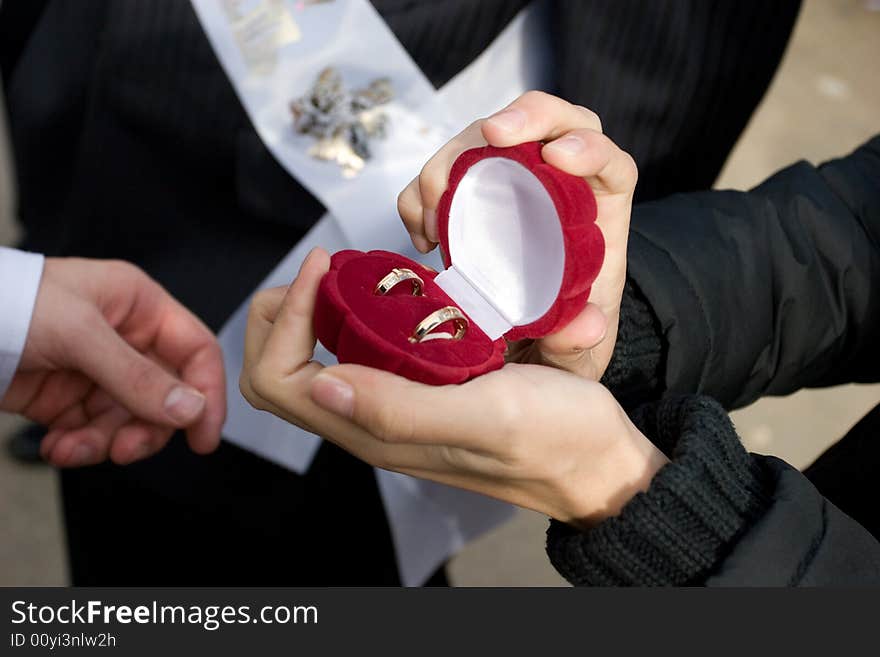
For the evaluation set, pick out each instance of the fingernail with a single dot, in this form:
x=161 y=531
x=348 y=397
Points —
x=333 y=395
x=430 y=219
x=184 y=405
x=509 y=120
x=306 y=259
x=570 y=144
x=142 y=451
x=82 y=454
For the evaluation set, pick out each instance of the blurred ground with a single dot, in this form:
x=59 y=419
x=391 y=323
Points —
x=824 y=101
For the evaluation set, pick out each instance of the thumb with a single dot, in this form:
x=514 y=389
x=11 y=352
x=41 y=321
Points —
x=146 y=389
x=397 y=410
x=568 y=346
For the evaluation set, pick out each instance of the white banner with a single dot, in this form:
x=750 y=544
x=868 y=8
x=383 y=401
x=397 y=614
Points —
x=273 y=51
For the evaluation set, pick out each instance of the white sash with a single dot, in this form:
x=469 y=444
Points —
x=429 y=522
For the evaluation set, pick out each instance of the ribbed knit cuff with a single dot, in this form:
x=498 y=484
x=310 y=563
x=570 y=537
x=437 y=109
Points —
x=634 y=374
x=697 y=505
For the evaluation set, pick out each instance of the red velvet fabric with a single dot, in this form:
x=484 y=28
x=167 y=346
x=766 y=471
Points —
x=362 y=327
x=576 y=206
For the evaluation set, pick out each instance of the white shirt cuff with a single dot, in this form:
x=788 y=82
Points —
x=20 y=274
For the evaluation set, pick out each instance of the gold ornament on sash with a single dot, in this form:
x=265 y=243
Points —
x=343 y=121
x=260 y=28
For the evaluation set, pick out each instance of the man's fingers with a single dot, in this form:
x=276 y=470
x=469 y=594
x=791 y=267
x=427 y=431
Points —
x=537 y=116
x=44 y=396
x=183 y=343
x=205 y=372
x=131 y=378
x=180 y=341
x=88 y=406
x=90 y=444
x=136 y=441
x=72 y=418
x=132 y=442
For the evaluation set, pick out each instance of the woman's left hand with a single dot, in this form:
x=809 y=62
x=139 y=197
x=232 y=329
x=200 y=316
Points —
x=534 y=436
x=574 y=143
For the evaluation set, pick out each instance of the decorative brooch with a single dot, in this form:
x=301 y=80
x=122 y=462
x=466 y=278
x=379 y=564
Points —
x=343 y=121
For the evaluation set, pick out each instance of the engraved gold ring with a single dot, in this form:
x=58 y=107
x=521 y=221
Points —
x=424 y=331
x=398 y=275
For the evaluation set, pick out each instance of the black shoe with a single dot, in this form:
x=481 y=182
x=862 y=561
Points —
x=24 y=444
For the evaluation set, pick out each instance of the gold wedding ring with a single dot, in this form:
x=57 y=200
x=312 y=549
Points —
x=398 y=275
x=423 y=332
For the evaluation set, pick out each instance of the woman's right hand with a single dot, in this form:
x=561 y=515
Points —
x=530 y=435
x=575 y=144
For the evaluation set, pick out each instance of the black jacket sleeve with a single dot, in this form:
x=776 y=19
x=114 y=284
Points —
x=767 y=291
x=739 y=295
x=717 y=516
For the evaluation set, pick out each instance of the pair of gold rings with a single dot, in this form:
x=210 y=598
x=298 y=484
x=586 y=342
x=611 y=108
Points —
x=424 y=330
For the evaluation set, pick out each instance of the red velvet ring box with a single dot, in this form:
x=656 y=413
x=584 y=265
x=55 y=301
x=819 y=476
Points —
x=521 y=247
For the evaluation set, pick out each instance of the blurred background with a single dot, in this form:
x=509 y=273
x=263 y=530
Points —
x=824 y=101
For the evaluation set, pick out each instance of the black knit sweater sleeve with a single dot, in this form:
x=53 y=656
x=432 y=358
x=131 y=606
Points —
x=634 y=374
x=696 y=507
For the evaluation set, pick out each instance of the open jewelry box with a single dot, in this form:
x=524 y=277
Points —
x=521 y=247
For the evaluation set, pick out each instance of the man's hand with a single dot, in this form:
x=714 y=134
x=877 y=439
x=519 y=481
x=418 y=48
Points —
x=113 y=365
x=573 y=143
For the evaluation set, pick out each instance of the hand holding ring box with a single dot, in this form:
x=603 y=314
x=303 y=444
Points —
x=521 y=247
